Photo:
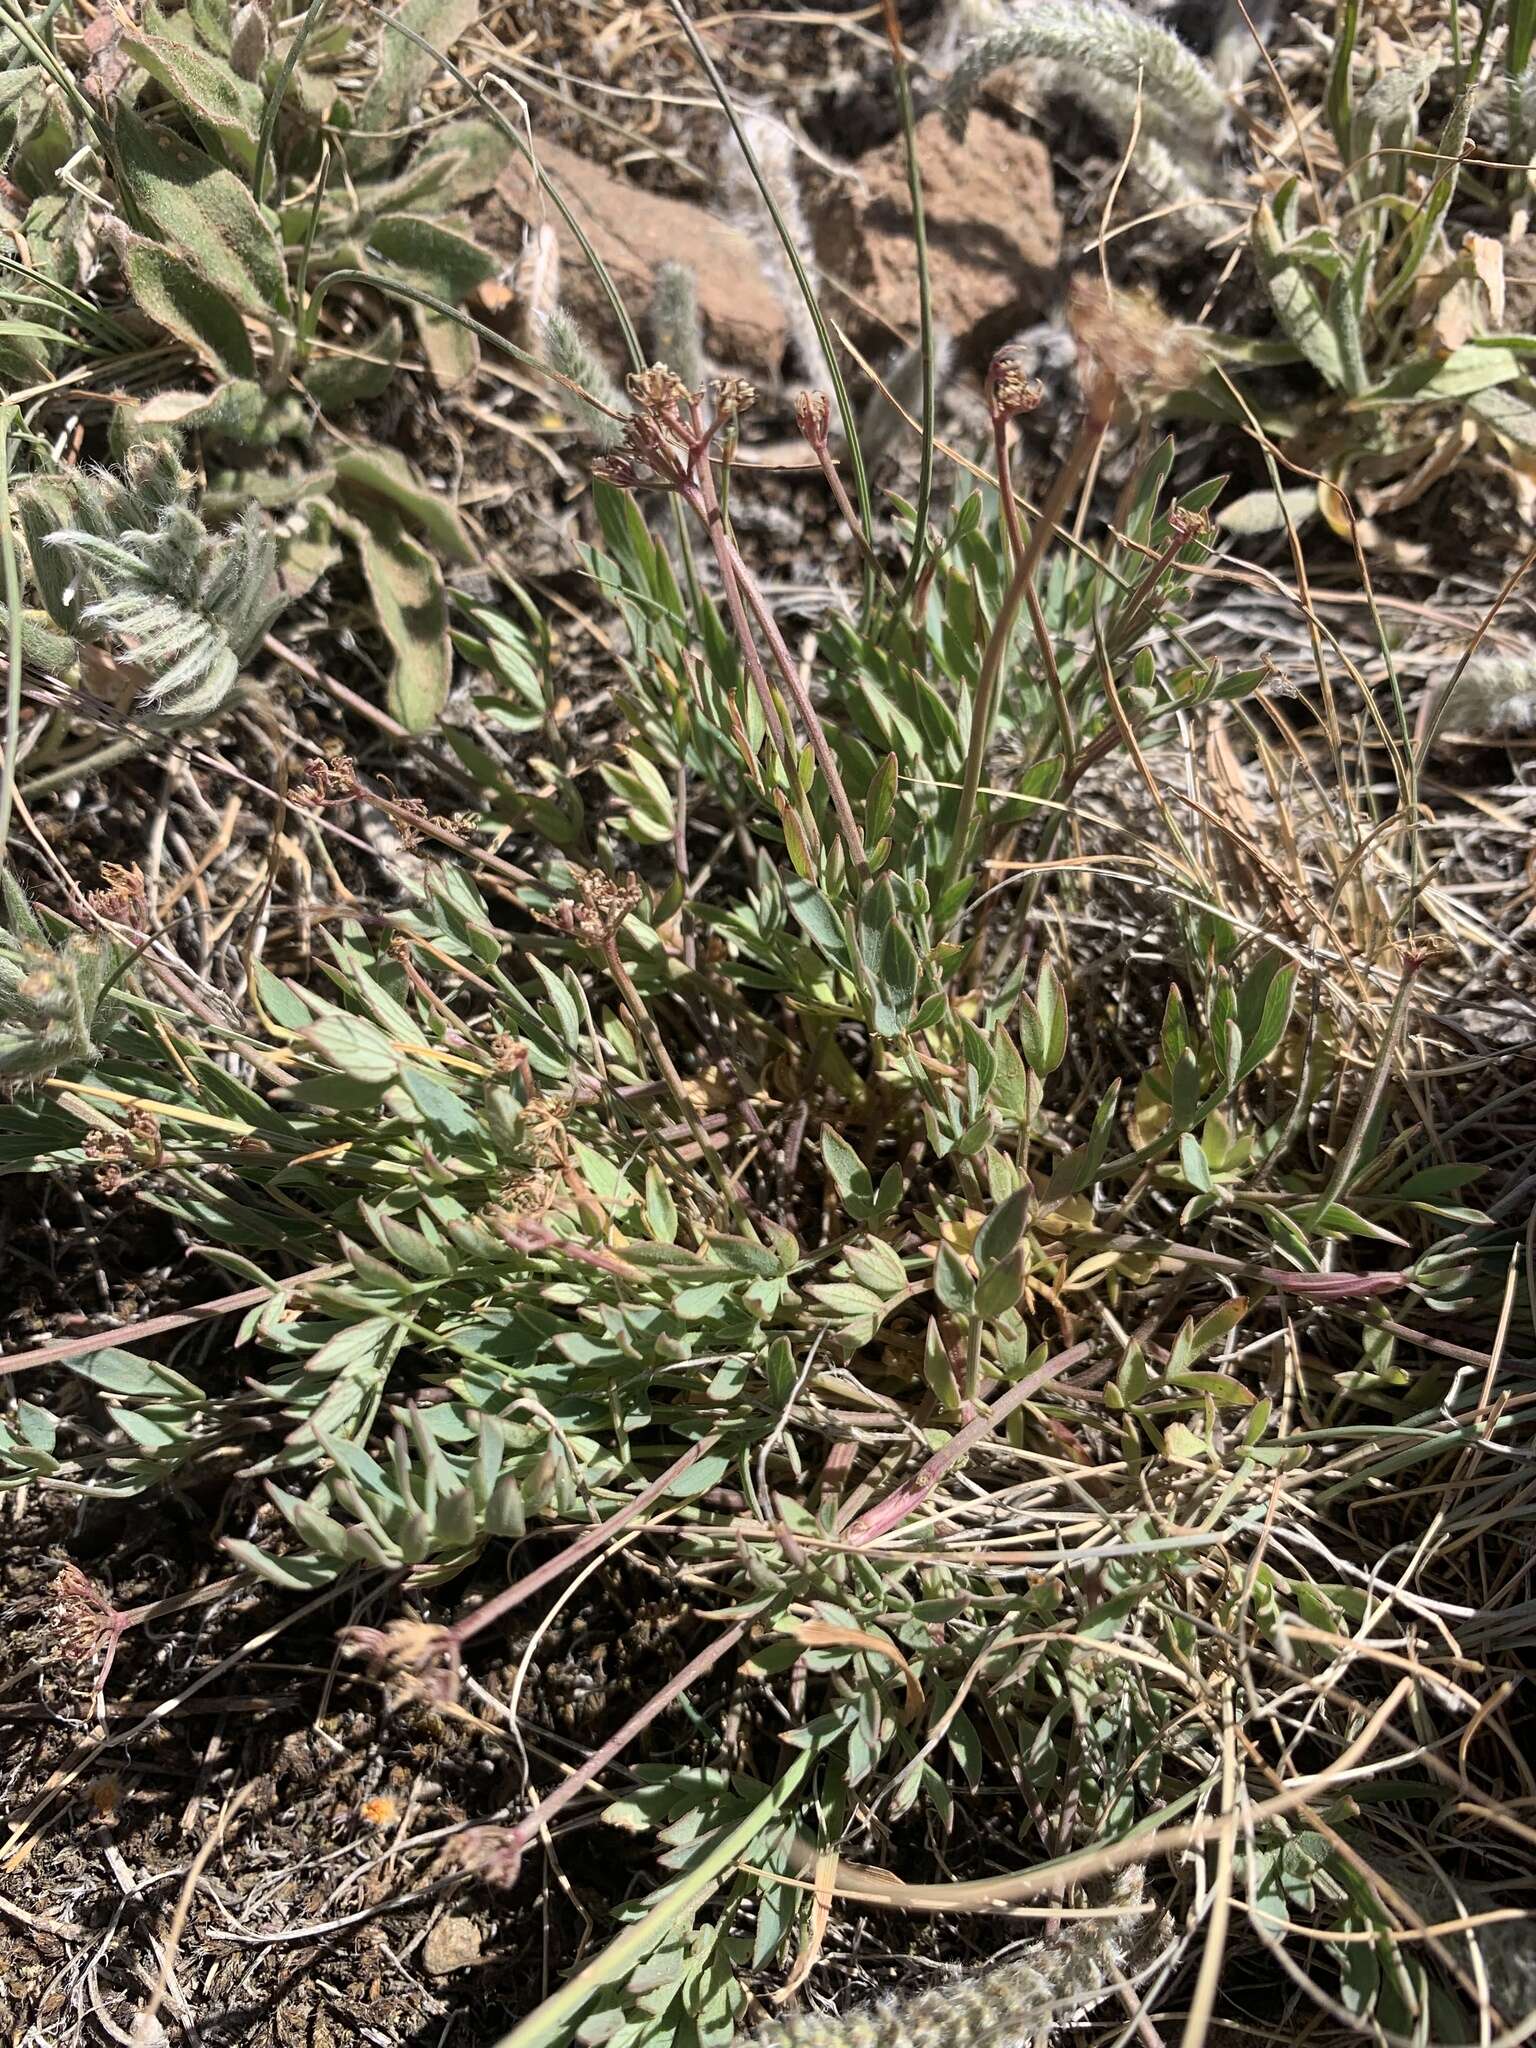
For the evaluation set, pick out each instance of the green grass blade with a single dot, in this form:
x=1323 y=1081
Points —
x=552 y=2024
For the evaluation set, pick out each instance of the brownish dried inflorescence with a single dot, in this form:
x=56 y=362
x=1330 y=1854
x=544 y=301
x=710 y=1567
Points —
x=509 y=1054
x=330 y=778
x=408 y=813
x=1010 y=388
x=85 y=1622
x=601 y=906
x=493 y=1854
x=732 y=396
x=121 y=898
x=422 y=1658
x=813 y=416
x=1127 y=341
x=657 y=389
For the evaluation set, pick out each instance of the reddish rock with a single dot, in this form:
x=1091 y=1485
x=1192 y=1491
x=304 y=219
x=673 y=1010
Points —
x=633 y=231
x=994 y=235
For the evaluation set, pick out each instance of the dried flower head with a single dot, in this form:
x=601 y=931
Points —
x=121 y=898
x=143 y=1129
x=657 y=389
x=1186 y=525
x=421 y=1657
x=622 y=471
x=813 y=416
x=509 y=1054
x=494 y=1854
x=1010 y=387
x=84 y=1620
x=331 y=778
x=1126 y=340
x=406 y=811
x=601 y=906
x=732 y=396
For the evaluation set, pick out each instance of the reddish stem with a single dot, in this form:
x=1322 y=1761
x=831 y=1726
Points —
x=912 y=1493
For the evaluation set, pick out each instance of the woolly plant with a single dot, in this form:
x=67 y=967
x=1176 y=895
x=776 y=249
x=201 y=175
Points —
x=52 y=991
x=1183 y=102
x=1133 y=74
x=1002 y=2008
x=123 y=564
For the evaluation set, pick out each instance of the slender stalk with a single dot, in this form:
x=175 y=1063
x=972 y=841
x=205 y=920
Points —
x=844 y=504
x=275 y=98
x=555 y=2019
x=1349 y=1157
x=635 y=1003
x=712 y=512
x=845 y=409
x=924 y=297
x=907 y=1498
x=13 y=631
x=984 y=708
x=973 y=1360
x=539 y=1816
x=478 y=1618
x=809 y=717
x=1037 y=619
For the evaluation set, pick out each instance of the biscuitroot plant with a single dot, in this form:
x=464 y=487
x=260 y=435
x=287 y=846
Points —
x=889 y=1159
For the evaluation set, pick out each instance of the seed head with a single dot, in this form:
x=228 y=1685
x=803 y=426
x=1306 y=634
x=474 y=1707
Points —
x=813 y=416
x=120 y=899
x=331 y=778
x=1010 y=388
x=1186 y=525
x=422 y=1658
x=1127 y=341
x=733 y=396
x=84 y=1619
x=509 y=1054
x=657 y=389
x=492 y=1853
x=622 y=471
x=601 y=906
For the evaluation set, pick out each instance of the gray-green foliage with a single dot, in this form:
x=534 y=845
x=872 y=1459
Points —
x=123 y=560
x=1183 y=103
x=355 y=192
x=503 y=1272
x=40 y=266
x=214 y=105
x=52 y=990
x=603 y=409
x=1132 y=74
x=1375 y=287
